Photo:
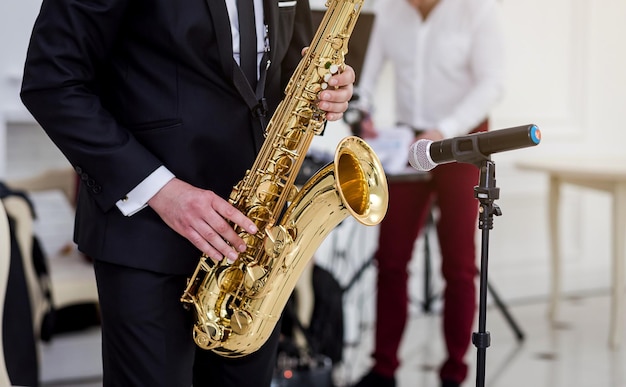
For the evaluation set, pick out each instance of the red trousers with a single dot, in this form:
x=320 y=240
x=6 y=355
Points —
x=451 y=187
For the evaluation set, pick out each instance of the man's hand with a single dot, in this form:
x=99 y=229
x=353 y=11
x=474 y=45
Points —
x=334 y=100
x=203 y=218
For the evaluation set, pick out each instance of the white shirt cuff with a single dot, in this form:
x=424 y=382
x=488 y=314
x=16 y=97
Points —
x=137 y=199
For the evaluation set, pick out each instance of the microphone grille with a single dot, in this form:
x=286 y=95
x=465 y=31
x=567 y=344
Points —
x=419 y=157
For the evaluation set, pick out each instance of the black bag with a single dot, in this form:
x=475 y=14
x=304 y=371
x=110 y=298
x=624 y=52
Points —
x=312 y=367
x=324 y=334
x=326 y=326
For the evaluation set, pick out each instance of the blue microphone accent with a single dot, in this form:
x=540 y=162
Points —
x=535 y=134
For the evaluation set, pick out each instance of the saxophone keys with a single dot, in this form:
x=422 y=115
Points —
x=292 y=139
x=240 y=322
x=248 y=239
x=230 y=279
x=253 y=279
x=260 y=215
x=278 y=239
x=267 y=192
x=293 y=192
x=284 y=164
x=208 y=337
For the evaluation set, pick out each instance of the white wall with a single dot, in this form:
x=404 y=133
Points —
x=565 y=68
x=565 y=74
x=16 y=19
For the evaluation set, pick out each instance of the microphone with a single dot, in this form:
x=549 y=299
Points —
x=425 y=155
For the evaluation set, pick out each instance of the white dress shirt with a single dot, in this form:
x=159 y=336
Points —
x=260 y=29
x=448 y=68
x=138 y=197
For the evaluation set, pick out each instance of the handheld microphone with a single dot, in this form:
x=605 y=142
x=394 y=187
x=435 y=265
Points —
x=425 y=155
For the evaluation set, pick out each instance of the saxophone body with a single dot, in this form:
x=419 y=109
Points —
x=237 y=306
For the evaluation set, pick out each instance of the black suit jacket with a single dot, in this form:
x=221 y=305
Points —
x=124 y=86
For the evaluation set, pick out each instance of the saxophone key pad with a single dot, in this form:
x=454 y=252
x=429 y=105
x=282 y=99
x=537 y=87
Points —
x=240 y=322
x=254 y=278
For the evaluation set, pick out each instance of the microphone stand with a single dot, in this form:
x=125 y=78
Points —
x=486 y=192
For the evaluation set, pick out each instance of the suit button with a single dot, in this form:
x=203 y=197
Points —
x=96 y=189
x=78 y=170
x=84 y=176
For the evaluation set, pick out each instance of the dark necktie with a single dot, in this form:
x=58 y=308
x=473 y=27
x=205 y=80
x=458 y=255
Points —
x=247 y=40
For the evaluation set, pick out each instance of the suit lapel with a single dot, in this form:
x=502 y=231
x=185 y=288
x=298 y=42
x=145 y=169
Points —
x=219 y=15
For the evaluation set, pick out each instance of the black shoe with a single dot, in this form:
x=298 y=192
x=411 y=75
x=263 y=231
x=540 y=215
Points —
x=449 y=383
x=373 y=379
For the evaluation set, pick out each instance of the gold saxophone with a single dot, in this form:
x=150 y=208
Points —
x=238 y=305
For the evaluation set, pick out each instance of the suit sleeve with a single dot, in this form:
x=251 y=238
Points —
x=69 y=42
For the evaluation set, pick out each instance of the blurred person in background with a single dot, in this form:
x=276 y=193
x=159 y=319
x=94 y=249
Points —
x=447 y=58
